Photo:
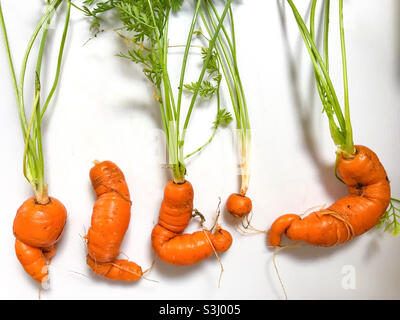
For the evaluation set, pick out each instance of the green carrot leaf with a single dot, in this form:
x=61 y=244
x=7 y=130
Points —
x=390 y=221
x=224 y=117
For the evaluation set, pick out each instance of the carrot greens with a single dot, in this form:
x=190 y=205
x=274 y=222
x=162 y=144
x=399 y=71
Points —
x=390 y=221
x=227 y=57
x=146 y=24
x=33 y=162
x=339 y=122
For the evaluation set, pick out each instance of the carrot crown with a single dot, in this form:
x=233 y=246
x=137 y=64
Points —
x=339 y=123
x=33 y=163
x=146 y=24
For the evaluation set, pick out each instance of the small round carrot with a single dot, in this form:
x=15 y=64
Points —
x=110 y=221
x=167 y=239
x=37 y=228
x=350 y=216
x=238 y=205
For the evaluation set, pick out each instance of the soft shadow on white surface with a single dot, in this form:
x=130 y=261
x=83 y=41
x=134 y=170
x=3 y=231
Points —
x=305 y=107
x=303 y=253
x=374 y=245
x=169 y=270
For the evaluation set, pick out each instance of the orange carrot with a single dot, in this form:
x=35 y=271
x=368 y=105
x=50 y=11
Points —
x=37 y=227
x=40 y=220
x=117 y=270
x=238 y=205
x=350 y=216
x=167 y=239
x=110 y=220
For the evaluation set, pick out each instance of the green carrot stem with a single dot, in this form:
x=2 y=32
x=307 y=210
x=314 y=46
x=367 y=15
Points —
x=59 y=60
x=326 y=34
x=186 y=54
x=33 y=162
x=206 y=61
x=227 y=76
x=231 y=60
x=228 y=56
x=319 y=64
x=348 y=148
x=342 y=134
x=215 y=126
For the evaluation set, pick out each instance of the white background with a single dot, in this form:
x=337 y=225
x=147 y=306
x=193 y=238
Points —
x=104 y=109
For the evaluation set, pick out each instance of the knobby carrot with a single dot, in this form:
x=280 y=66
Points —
x=40 y=220
x=37 y=227
x=350 y=216
x=147 y=32
x=357 y=166
x=175 y=214
x=110 y=221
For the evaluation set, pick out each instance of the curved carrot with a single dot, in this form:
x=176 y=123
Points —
x=167 y=239
x=37 y=228
x=110 y=221
x=350 y=216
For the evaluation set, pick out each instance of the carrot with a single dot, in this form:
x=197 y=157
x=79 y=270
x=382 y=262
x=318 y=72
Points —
x=123 y=270
x=110 y=221
x=350 y=216
x=149 y=30
x=37 y=228
x=357 y=166
x=238 y=205
x=40 y=220
x=167 y=239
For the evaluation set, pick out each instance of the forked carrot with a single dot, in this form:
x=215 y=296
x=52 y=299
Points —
x=167 y=239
